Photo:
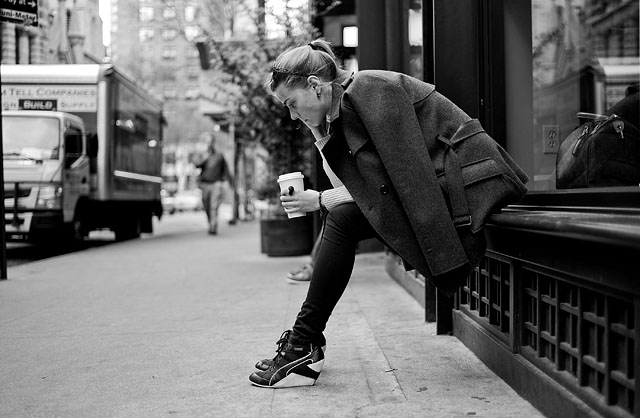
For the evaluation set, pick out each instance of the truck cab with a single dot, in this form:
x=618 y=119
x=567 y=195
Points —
x=46 y=172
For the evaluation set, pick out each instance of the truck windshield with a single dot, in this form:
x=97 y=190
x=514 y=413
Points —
x=30 y=138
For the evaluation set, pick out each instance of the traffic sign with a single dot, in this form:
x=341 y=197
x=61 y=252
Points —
x=19 y=11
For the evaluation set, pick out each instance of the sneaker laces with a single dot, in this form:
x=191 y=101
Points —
x=282 y=342
x=286 y=352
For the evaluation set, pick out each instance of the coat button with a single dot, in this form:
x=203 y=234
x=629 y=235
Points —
x=384 y=189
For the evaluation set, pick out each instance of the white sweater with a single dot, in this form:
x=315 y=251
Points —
x=339 y=194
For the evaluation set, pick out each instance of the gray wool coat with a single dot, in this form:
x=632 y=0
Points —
x=389 y=150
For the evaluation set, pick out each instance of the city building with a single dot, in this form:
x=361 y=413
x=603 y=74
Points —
x=152 y=40
x=155 y=42
x=68 y=32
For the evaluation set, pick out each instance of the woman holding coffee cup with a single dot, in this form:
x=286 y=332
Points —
x=374 y=131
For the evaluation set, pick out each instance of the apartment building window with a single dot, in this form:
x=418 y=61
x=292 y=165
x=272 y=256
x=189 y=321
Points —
x=145 y=34
x=193 y=72
x=192 y=93
x=169 y=75
x=190 y=13
x=145 y=14
x=191 y=32
x=169 y=52
x=169 y=13
x=169 y=34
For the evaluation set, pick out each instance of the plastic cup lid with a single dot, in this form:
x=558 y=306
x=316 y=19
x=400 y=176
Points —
x=291 y=176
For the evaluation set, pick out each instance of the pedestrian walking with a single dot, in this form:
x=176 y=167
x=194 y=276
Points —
x=376 y=132
x=214 y=172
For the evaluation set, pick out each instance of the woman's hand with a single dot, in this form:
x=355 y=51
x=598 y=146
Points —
x=303 y=201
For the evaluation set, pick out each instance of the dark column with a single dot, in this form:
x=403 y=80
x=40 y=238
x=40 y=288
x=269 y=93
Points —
x=397 y=46
x=456 y=52
x=371 y=34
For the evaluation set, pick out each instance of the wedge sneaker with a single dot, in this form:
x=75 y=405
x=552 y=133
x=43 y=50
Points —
x=295 y=365
x=264 y=364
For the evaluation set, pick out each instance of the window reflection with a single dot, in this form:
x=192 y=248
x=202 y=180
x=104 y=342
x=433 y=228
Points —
x=586 y=67
x=416 y=58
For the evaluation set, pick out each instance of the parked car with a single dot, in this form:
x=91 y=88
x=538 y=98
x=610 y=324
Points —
x=188 y=200
x=168 y=201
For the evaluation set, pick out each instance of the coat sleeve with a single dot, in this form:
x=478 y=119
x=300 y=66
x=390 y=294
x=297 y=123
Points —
x=386 y=109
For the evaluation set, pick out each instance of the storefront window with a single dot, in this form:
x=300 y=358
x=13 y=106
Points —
x=586 y=73
x=416 y=57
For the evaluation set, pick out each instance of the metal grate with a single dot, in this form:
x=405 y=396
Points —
x=486 y=294
x=581 y=334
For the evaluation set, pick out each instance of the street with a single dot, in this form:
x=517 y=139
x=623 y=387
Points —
x=173 y=323
x=21 y=252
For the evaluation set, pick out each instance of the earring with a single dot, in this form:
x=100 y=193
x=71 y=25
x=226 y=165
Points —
x=317 y=92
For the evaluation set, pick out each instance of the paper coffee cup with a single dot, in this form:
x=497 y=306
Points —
x=295 y=180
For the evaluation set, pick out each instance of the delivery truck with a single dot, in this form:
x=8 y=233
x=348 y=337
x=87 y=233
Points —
x=82 y=151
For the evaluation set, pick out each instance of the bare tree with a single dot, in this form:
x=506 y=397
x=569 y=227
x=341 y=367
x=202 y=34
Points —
x=222 y=14
x=240 y=69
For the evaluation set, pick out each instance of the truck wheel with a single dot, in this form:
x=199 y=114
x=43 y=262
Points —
x=129 y=229
x=74 y=234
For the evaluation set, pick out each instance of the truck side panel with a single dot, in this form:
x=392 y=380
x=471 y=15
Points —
x=135 y=154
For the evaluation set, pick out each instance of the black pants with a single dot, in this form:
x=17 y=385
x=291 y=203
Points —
x=344 y=227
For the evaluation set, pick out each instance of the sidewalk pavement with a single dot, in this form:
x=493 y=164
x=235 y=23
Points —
x=172 y=324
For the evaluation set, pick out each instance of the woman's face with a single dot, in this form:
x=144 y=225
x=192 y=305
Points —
x=304 y=103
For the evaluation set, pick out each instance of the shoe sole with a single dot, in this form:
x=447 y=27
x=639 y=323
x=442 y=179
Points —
x=295 y=380
x=294 y=281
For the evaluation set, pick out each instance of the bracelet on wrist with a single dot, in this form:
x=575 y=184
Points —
x=323 y=209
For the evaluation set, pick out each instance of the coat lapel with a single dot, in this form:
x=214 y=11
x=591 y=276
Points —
x=339 y=155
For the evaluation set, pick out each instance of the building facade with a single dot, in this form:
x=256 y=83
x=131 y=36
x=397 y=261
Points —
x=554 y=307
x=68 y=32
x=152 y=40
x=156 y=42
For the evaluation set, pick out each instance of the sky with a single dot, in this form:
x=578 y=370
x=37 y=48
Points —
x=105 y=15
